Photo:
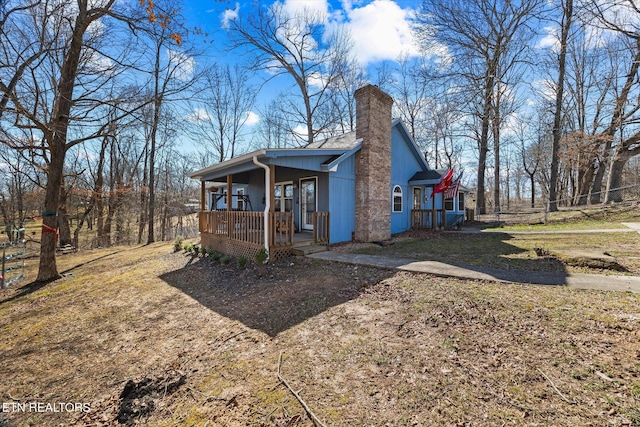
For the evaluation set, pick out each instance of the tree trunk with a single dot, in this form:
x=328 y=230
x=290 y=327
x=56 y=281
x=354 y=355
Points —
x=48 y=269
x=57 y=140
x=533 y=190
x=483 y=144
x=557 y=116
x=64 y=231
x=496 y=155
x=143 y=200
x=615 y=195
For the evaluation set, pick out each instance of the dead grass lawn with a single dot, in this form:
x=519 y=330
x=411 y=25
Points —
x=154 y=337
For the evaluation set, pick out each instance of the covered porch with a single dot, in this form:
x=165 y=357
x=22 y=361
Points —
x=434 y=211
x=267 y=199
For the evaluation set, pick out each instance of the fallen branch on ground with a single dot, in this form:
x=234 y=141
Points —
x=302 y=402
x=556 y=388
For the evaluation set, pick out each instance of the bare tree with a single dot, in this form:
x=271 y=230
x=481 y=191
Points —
x=412 y=97
x=170 y=65
x=479 y=35
x=565 y=27
x=342 y=100
x=300 y=46
x=69 y=41
x=621 y=17
x=272 y=129
x=225 y=101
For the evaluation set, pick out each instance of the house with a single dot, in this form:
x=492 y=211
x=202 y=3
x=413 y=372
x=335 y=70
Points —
x=364 y=185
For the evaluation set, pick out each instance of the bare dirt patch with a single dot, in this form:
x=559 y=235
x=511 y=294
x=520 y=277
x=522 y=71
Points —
x=151 y=337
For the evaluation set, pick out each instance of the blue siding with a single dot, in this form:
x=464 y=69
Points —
x=342 y=202
x=403 y=166
x=308 y=163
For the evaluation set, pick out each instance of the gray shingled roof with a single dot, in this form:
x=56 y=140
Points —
x=424 y=175
x=345 y=141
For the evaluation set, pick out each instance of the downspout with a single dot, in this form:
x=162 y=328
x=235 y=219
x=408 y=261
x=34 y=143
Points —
x=267 y=203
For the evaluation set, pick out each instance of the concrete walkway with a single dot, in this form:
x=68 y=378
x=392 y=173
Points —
x=631 y=227
x=578 y=281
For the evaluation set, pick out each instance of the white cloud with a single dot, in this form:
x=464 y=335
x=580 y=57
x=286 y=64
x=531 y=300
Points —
x=184 y=64
x=550 y=40
x=301 y=132
x=229 y=15
x=96 y=28
x=621 y=13
x=199 y=115
x=252 y=119
x=293 y=7
x=317 y=80
x=98 y=62
x=545 y=88
x=380 y=30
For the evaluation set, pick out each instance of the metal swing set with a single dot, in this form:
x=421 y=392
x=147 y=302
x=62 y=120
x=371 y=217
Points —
x=13 y=258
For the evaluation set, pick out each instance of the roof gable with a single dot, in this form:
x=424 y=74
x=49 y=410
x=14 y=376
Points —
x=411 y=144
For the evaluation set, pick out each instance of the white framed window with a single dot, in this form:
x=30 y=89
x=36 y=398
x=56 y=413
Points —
x=448 y=204
x=283 y=196
x=461 y=201
x=240 y=202
x=397 y=199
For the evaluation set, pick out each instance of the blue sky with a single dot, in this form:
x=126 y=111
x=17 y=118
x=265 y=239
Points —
x=379 y=30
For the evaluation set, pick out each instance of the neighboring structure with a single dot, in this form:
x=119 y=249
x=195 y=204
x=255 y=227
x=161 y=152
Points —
x=364 y=185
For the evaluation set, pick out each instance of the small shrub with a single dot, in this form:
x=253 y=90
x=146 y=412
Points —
x=177 y=244
x=195 y=249
x=241 y=262
x=203 y=251
x=214 y=256
x=225 y=260
x=188 y=247
x=261 y=257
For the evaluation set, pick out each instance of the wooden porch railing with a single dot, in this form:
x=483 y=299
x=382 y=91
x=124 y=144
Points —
x=321 y=227
x=245 y=226
x=281 y=228
x=423 y=218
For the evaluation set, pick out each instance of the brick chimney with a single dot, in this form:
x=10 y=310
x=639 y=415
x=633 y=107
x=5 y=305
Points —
x=373 y=164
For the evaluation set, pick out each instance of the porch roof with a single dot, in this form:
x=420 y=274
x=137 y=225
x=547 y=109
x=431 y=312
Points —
x=425 y=177
x=317 y=159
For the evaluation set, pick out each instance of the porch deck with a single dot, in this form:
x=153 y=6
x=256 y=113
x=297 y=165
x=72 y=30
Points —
x=241 y=233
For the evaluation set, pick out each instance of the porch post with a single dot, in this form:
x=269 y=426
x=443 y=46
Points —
x=434 y=212
x=229 y=191
x=203 y=197
x=272 y=183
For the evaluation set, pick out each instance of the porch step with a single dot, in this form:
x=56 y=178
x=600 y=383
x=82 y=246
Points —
x=308 y=249
x=306 y=242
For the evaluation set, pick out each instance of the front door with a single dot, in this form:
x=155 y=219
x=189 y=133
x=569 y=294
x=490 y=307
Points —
x=308 y=201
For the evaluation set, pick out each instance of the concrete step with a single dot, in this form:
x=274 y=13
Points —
x=308 y=249
x=309 y=242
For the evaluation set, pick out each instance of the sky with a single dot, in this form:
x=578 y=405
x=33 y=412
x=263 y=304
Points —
x=379 y=29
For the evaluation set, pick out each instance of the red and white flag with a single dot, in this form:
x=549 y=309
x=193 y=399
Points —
x=444 y=184
x=452 y=191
